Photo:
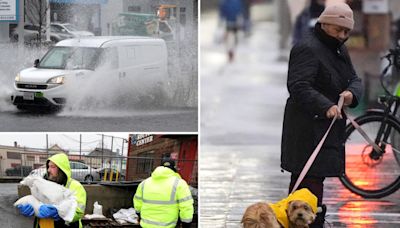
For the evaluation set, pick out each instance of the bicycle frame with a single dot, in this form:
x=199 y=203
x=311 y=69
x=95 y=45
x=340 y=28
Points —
x=385 y=129
x=389 y=100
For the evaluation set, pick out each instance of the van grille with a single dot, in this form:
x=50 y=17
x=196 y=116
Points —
x=31 y=86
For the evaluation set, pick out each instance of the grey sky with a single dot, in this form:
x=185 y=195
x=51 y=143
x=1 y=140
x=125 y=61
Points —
x=68 y=141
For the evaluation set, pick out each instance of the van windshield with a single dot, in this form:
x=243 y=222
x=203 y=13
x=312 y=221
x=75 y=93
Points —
x=71 y=58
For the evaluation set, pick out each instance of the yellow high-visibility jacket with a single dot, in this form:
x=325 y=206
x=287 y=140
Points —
x=163 y=198
x=62 y=162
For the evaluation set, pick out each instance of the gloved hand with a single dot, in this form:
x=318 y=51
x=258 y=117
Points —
x=26 y=209
x=138 y=218
x=48 y=211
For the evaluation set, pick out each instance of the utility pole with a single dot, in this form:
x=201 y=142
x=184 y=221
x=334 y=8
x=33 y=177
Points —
x=122 y=150
x=80 y=146
x=122 y=158
x=21 y=23
x=102 y=150
x=48 y=20
x=112 y=141
x=47 y=145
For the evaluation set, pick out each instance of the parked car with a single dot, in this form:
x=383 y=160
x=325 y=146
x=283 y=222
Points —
x=16 y=171
x=102 y=171
x=58 y=32
x=69 y=29
x=80 y=172
x=31 y=35
x=130 y=63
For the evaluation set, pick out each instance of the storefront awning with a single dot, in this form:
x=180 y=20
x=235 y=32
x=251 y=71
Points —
x=80 y=1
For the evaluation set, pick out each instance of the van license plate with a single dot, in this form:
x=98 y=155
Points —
x=28 y=96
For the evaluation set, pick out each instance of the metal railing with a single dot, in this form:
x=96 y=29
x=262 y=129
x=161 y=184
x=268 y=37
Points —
x=87 y=168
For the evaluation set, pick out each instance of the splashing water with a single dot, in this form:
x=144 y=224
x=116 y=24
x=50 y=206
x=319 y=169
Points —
x=13 y=59
x=98 y=93
x=103 y=93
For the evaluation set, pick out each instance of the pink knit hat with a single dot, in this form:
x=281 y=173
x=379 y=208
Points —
x=337 y=14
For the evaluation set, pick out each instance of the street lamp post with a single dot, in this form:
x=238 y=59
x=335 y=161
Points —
x=21 y=23
x=48 y=20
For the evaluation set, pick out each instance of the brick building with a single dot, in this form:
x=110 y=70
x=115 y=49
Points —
x=146 y=152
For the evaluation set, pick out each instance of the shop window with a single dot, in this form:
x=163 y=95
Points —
x=30 y=158
x=13 y=155
x=14 y=165
x=42 y=159
x=134 y=9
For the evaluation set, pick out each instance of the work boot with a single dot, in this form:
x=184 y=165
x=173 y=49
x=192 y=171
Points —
x=320 y=219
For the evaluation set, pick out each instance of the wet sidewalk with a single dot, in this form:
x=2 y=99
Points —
x=242 y=106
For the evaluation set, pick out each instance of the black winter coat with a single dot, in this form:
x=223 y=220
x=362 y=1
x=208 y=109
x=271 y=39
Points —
x=319 y=70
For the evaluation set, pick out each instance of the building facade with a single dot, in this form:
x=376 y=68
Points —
x=146 y=152
x=105 y=158
x=12 y=158
x=184 y=12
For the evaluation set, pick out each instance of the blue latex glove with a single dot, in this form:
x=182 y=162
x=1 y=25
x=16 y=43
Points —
x=26 y=209
x=48 y=211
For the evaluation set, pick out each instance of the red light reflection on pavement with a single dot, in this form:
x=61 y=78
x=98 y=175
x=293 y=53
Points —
x=352 y=211
x=357 y=213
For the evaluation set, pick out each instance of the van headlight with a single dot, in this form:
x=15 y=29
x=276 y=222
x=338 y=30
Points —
x=17 y=78
x=57 y=80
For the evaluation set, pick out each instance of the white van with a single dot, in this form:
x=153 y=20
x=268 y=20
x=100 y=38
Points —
x=129 y=62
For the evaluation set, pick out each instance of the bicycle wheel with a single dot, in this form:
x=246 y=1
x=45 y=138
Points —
x=366 y=175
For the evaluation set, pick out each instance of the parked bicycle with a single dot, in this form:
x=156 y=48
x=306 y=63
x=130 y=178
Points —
x=374 y=172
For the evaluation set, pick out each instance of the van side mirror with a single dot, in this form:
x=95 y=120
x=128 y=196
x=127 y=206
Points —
x=36 y=63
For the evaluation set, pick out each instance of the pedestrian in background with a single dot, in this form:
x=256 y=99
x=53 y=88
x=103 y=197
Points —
x=320 y=71
x=59 y=171
x=247 y=16
x=163 y=198
x=307 y=19
x=231 y=12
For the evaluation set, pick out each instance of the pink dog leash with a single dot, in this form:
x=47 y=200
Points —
x=318 y=148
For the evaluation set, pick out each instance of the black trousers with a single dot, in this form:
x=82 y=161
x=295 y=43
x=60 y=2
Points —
x=314 y=184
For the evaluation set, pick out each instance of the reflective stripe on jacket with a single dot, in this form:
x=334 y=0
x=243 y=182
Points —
x=163 y=198
x=62 y=162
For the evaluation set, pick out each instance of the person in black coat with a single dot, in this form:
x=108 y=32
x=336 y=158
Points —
x=320 y=71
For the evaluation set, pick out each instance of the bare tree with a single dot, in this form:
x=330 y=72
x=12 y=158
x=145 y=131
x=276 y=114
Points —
x=35 y=12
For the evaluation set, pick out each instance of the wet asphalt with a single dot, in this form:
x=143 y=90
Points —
x=242 y=105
